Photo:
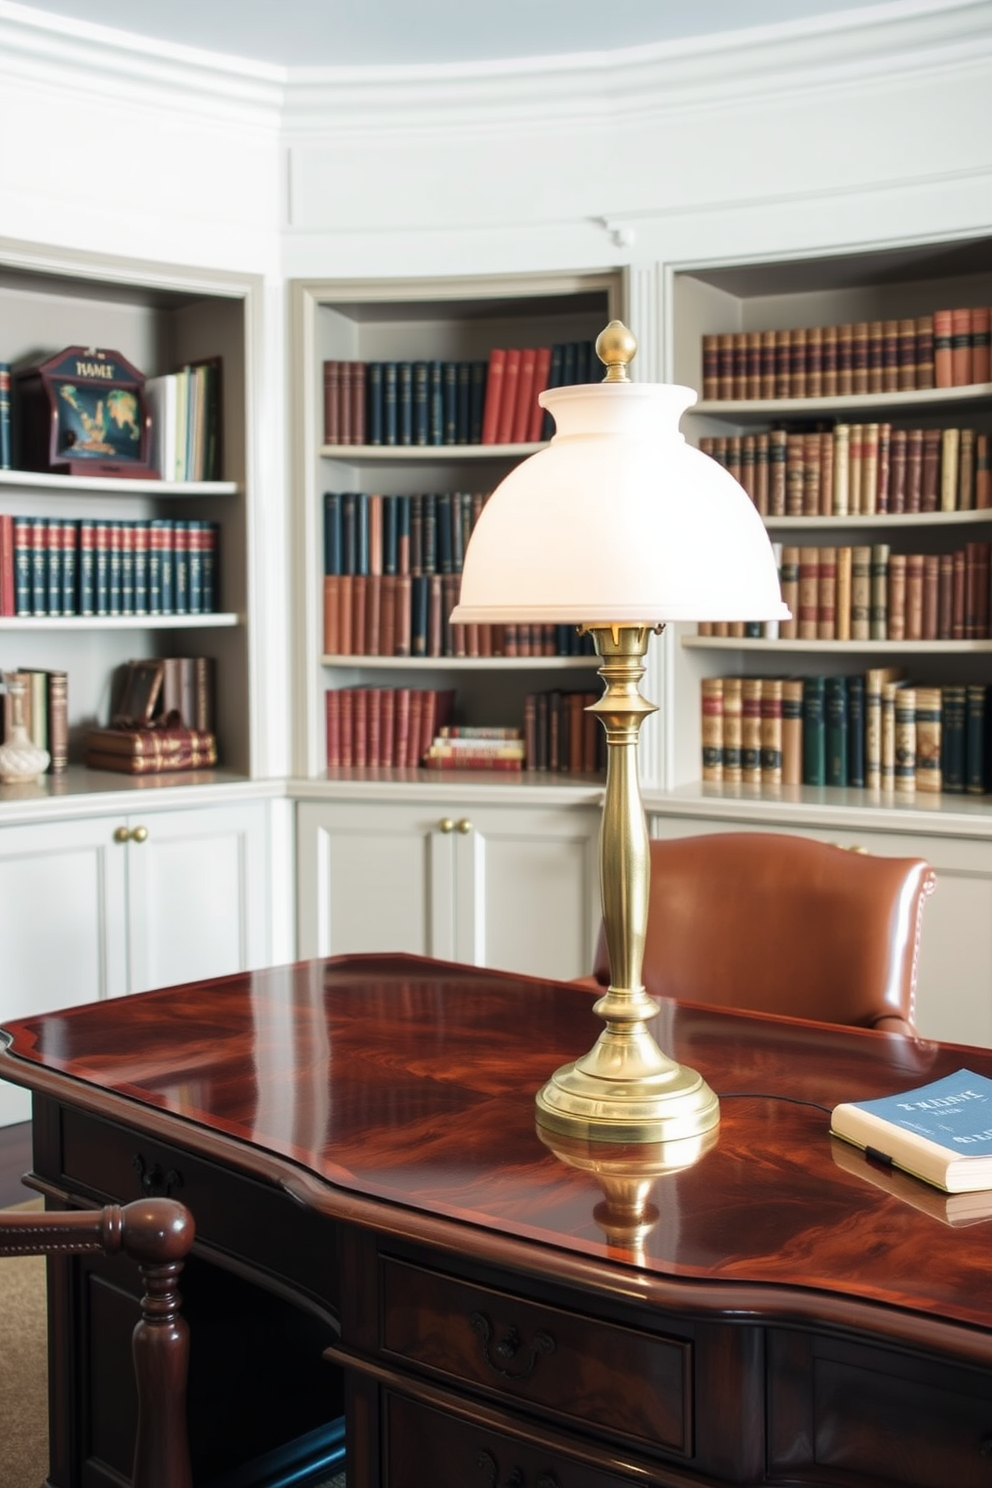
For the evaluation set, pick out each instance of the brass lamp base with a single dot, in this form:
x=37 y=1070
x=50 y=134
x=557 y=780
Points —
x=625 y=1089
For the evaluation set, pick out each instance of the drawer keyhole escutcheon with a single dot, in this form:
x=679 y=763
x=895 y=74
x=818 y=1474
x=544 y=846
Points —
x=505 y=1351
x=487 y=1463
x=156 y=1184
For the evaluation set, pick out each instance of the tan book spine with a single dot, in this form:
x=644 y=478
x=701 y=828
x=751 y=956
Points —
x=931 y=596
x=795 y=450
x=928 y=741
x=751 y=730
x=711 y=367
x=878 y=623
x=814 y=362
x=826 y=440
x=914 y=470
x=809 y=584
x=854 y=465
x=860 y=593
x=725 y=365
x=914 y=597
x=768 y=364
x=905 y=739
x=826 y=603
x=942 y=349
x=740 y=365
x=748 y=462
x=711 y=728
x=783 y=364
x=876 y=351
x=896 y=599
x=924 y=352
x=789 y=629
x=981 y=344
x=761 y=473
x=753 y=364
x=950 y=445
x=906 y=356
x=792 y=731
x=771 y=731
x=845 y=360
x=734 y=445
x=884 y=467
x=841 y=470
x=797 y=363
x=966 y=470
x=888 y=770
x=859 y=357
x=732 y=728
x=829 y=360
x=890 y=356
x=961 y=348
x=812 y=475
x=869 y=469
x=875 y=681
x=845 y=565
x=777 y=472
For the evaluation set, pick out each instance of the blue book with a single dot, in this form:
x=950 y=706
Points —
x=70 y=567
x=211 y=565
x=195 y=546
x=390 y=535
x=856 y=731
x=390 y=404
x=332 y=532
x=180 y=568
x=39 y=566
x=421 y=398
x=54 y=567
x=162 y=542
x=362 y=565
x=449 y=401
x=22 y=565
x=835 y=730
x=435 y=402
x=404 y=402
x=86 y=563
x=444 y=534
x=463 y=419
x=952 y=707
x=374 y=410
x=940 y=1132
x=141 y=540
x=975 y=778
x=814 y=731
x=5 y=438
x=430 y=533
x=127 y=568
x=420 y=595
x=476 y=400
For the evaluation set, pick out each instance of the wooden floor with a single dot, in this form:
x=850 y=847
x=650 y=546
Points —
x=15 y=1159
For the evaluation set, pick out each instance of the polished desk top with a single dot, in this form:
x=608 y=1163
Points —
x=412 y=1081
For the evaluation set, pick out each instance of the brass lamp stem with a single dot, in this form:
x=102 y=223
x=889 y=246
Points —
x=625 y=1089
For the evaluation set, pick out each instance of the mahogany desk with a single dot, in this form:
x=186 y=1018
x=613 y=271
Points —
x=356 y=1141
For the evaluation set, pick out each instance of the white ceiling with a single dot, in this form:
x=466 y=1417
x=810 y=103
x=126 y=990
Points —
x=352 y=33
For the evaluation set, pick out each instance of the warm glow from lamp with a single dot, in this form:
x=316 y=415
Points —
x=620 y=526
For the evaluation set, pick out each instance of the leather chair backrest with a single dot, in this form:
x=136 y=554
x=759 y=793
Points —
x=776 y=923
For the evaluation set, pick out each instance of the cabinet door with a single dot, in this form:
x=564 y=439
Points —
x=374 y=876
x=197 y=900
x=527 y=889
x=62 y=923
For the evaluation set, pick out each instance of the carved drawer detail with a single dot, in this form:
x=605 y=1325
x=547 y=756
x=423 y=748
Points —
x=591 y=1373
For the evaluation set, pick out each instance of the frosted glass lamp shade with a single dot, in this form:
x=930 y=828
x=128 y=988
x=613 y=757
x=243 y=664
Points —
x=619 y=519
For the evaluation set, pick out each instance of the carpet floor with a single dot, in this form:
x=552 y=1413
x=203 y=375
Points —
x=23 y=1369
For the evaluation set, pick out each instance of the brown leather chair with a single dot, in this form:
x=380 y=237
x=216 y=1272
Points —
x=775 y=923
x=157 y=1233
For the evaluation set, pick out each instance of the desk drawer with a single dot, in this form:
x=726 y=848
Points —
x=234 y=1213
x=448 y=1452
x=867 y=1413
x=588 y=1372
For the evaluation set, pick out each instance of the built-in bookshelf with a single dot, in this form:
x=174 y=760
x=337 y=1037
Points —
x=158 y=319
x=911 y=516
x=412 y=479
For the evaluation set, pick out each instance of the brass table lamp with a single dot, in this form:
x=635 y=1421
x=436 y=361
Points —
x=618 y=527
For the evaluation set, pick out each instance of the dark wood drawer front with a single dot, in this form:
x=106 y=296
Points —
x=884 y=1417
x=234 y=1213
x=592 y=1373
x=447 y=1452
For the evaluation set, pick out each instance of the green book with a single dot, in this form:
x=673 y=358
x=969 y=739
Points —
x=856 y=731
x=975 y=774
x=952 y=698
x=835 y=730
x=814 y=731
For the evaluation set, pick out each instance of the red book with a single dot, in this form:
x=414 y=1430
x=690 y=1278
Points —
x=332 y=727
x=914 y=470
x=414 y=725
x=961 y=348
x=897 y=471
x=981 y=344
x=7 y=606
x=360 y=725
x=942 y=366
x=373 y=725
x=524 y=403
x=494 y=394
x=387 y=725
x=332 y=623
x=345 y=614
x=542 y=374
x=346 y=704
x=508 y=401
x=403 y=615
x=401 y=726
x=387 y=616
x=359 y=586
x=931 y=596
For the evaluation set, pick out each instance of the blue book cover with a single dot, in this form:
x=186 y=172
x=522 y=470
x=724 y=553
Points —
x=127 y=568
x=421 y=398
x=374 y=412
x=941 y=1132
x=54 y=567
x=180 y=568
x=195 y=544
x=856 y=731
x=5 y=440
x=952 y=707
x=390 y=404
x=435 y=403
x=476 y=400
x=22 y=565
x=835 y=731
x=39 y=566
x=141 y=540
x=70 y=567
x=404 y=402
x=814 y=731
x=86 y=537
x=332 y=532
x=449 y=373
x=463 y=421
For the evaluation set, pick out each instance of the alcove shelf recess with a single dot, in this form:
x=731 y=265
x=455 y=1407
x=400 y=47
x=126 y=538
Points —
x=852 y=397
x=161 y=319
x=413 y=399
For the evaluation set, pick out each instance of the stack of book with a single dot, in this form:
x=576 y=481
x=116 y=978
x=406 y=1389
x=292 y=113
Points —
x=867 y=592
x=50 y=566
x=387 y=727
x=949 y=348
x=392 y=574
x=560 y=736
x=459 y=747
x=879 y=731
x=868 y=469
x=435 y=402
x=185 y=409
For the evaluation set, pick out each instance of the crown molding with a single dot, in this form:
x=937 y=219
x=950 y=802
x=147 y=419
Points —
x=885 y=42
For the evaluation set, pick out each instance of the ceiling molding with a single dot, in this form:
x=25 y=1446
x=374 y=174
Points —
x=885 y=42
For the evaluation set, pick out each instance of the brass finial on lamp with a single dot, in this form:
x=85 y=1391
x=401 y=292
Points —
x=618 y=527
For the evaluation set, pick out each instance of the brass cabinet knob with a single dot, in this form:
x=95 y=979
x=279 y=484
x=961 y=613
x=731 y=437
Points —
x=464 y=826
x=122 y=835
x=140 y=834
x=446 y=824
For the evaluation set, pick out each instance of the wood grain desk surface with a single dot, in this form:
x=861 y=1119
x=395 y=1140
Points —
x=398 y=1079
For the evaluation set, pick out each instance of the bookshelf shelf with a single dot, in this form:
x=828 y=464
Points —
x=463 y=663
x=885 y=522
x=768 y=410
x=67 y=485
x=414 y=454
x=129 y=623
x=839 y=648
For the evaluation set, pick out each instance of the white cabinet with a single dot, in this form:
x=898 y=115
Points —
x=503 y=885
x=117 y=903
x=954 y=990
